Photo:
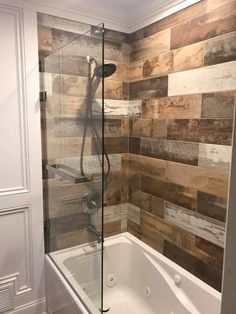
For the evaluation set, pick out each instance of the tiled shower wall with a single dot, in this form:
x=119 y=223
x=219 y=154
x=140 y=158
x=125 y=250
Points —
x=183 y=69
x=65 y=223
x=169 y=113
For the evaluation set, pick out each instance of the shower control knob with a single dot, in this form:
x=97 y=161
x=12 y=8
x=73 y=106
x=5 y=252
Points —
x=90 y=203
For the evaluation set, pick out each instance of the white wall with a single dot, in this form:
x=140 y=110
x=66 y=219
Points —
x=21 y=221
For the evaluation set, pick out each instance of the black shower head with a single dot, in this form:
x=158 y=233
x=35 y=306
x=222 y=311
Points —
x=105 y=70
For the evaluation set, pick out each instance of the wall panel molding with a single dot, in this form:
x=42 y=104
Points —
x=21 y=277
x=21 y=208
x=14 y=100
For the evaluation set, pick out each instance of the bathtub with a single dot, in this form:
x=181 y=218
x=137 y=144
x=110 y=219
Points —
x=137 y=280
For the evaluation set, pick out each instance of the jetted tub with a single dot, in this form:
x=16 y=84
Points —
x=137 y=280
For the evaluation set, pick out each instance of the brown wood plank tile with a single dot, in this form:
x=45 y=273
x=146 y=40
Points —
x=150 y=108
x=147 y=166
x=149 y=88
x=148 y=128
x=180 y=107
x=215 y=251
x=216 y=23
x=153 y=239
x=126 y=52
x=205 y=180
x=65 y=64
x=83 y=44
x=159 y=129
x=112 y=127
x=113 y=145
x=212 y=206
x=134 y=145
x=220 y=50
x=114 y=196
x=181 y=16
x=158 y=65
x=141 y=127
x=198 y=247
x=190 y=57
x=214 y=4
x=175 y=107
x=136 y=71
x=150 y=46
x=112 y=228
x=216 y=131
x=68 y=223
x=183 y=152
x=204 y=271
x=117 y=179
x=113 y=90
x=157 y=225
x=175 y=193
x=73 y=238
x=218 y=105
x=125 y=91
x=146 y=201
x=183 y=130
x=134 y=179
x=212 y=131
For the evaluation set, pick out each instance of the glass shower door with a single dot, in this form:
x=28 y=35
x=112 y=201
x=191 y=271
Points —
x=72 y=136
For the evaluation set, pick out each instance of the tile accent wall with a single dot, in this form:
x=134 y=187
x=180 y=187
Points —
x=183 y=69
x=169 y=113
x=65 y=223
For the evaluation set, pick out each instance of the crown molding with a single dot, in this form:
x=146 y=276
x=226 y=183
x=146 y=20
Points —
x=122 y=24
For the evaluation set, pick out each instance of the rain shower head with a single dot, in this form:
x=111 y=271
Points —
x=105 y=70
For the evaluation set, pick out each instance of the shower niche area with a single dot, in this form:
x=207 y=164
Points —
x=137 y=135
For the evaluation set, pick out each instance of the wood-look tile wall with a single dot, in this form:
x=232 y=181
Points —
x=183 y=69
x=64 y=75
x=169 y=113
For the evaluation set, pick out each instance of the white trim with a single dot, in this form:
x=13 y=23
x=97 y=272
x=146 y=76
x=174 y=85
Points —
x=122 y=24
x=36 y=307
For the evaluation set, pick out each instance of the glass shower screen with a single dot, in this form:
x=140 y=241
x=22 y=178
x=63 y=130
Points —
x=72 y=77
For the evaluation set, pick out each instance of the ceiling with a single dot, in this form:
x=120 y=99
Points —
x=123 y=15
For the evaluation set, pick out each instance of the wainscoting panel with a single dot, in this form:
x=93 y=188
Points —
x=13 y=160
x=21 y=223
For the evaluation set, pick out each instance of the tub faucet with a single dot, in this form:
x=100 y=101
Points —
x=98 y=235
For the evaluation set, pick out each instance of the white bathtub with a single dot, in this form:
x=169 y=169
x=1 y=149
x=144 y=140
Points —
x=137 y=280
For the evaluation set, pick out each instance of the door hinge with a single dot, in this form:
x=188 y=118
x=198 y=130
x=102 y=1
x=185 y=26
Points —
x=43 y=96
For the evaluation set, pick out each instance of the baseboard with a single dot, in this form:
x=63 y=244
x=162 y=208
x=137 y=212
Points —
x=36 y=307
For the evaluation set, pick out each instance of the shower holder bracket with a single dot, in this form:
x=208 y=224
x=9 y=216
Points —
x=66 y=173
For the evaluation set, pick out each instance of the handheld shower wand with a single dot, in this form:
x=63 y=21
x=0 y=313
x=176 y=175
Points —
x=94 y=80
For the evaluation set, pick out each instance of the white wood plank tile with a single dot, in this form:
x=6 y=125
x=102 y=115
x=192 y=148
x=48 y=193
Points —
x=202 y=226
x=214 y=156
x=220 y=77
